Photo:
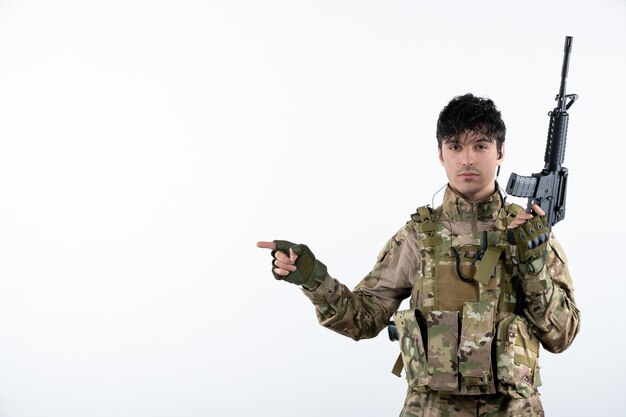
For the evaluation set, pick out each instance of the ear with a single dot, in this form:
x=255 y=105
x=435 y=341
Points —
x=501 y=155
x=440 y=156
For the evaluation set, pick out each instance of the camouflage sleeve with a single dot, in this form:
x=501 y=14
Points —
x=550 y=301
x=365 y=311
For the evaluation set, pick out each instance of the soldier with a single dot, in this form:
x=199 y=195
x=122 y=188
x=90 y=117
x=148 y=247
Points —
x=481 y=301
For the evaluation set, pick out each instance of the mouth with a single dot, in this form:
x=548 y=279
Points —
x=468 y=175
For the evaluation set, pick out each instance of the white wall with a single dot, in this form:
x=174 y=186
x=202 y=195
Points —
x=145 y=146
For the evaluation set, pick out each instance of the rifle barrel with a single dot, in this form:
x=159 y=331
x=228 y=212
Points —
x=564 y=71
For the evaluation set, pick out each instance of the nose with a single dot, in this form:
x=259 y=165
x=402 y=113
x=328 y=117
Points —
x=467 y=157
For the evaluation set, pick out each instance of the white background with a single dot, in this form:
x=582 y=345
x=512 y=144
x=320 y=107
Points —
x=145 y=146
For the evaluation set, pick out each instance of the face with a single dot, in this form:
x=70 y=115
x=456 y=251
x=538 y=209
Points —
x=471 y=165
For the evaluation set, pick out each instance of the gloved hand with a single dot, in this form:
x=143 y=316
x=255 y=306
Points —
x=531 y=240
x=309 y=271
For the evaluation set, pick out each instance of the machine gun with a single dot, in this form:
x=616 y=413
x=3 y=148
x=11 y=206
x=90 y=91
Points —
x=549 y=187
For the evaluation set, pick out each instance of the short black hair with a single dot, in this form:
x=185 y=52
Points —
x=470 y=113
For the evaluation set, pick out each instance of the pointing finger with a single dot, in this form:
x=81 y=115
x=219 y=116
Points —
x=266 y=245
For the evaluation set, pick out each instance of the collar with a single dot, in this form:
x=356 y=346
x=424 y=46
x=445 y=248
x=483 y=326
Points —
x=457 y=209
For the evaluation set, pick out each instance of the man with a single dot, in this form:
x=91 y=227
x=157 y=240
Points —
x=482 y=298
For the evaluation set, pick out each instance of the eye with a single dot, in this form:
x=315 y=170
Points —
x=454 y=147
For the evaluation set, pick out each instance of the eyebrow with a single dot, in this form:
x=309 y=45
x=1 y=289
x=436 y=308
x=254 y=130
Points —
x=483 y=139
x=480 y=139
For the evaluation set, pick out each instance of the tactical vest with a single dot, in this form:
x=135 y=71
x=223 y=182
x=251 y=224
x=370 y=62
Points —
x=461 y=333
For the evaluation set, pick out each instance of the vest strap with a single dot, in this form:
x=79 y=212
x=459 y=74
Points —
x=487 y=265
x=398 y=366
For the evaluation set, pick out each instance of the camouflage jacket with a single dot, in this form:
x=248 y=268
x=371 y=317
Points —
x=423 y=261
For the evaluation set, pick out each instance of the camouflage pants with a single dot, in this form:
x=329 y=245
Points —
x=434 y=404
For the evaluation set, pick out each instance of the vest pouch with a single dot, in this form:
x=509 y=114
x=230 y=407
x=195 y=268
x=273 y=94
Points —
x=443 y=330
x=477 y=332
x=517 y=350
x=412 y=347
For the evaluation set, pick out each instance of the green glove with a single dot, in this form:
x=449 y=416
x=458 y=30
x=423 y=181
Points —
x=531 y=241
x=309 y=270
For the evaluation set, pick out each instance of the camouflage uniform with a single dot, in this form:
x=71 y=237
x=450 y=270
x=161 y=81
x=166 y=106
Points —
x=468 y=347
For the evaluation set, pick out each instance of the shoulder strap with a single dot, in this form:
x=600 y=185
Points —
x=425 y=219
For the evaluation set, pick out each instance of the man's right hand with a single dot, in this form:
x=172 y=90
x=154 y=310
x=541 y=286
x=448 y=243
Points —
x=295 y=263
